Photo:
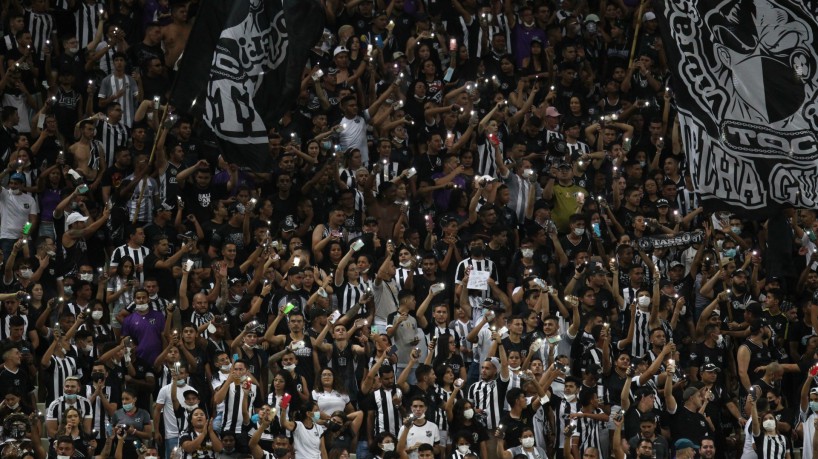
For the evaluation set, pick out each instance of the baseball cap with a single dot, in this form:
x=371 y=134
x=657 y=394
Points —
x=397 y=55
x=684 y=443
x=649 y=16
x=676 y=264
x=739 y=272
x=711 y=367
x=339 y=50
x=370 y=220
x=689 y=392
x=165 y=206
x=564 y=165
x=662 y=203
x=594 y=270
x=568 y=124
x=18 y=177
x=236 y=280
x=74 y=217
x=552 y=112
x=591 y=18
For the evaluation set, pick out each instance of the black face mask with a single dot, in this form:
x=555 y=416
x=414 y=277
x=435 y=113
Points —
x=773 y=404
x=644 y=456
x=335 y=427
x=476 y=251
x=97 y=376
x=280 y=452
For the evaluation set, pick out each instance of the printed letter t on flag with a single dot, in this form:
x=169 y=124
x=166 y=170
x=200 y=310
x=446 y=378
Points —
x=745 y=82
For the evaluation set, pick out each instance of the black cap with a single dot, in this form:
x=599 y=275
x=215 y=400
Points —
x=662 y=203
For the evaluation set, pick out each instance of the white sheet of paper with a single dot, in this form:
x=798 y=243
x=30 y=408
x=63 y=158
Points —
x=478 y=280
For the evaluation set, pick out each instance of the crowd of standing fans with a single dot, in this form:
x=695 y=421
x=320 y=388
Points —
x=478 y=239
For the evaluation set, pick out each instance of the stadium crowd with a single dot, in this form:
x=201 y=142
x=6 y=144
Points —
x=479 y=239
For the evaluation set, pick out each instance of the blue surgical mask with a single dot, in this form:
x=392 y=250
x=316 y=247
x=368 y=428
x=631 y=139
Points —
x=736 y=230
x=729 y=253
x=326 y=145
x=316 y=416
x=813 y=406
x=127 y=406
x=70 y=396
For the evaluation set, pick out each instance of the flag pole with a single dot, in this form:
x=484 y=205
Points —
x=150 y=160
x=636 y=31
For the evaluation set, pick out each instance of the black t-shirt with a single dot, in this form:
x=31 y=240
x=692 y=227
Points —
x=514 y=427
x=198 y=201
x=164 y=277
x=140 y=52
x=19 y=380
x=689 y=424
x=232 y=234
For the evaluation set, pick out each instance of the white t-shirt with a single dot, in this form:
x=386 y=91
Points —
x=16 y=210
x=428 y=433
x=307 y=442
x=808 y=420
x=354 y=135
x=171 y=429
x=330 y=402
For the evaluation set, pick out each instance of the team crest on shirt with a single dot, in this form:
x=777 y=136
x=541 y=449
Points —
x=428 y=433
x=204 y=199
x=26 y=206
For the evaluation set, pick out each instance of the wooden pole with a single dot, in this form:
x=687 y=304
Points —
x=636 y=31
x=150 y=160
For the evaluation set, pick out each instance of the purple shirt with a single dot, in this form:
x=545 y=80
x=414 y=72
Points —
x=521 y=38
x=443 y=195
x=146 y=331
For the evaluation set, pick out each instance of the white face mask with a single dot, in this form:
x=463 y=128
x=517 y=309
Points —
x=527 y=442
x=51 y=253
x=26 y=273
x=720 y=340
x=570 y=398
x=468 y=414
x=17 y=191
x=388 y=447
x=88 y=277
x=644 y=301
x=289 y=367
x=141 y=307
x=463 y=449
x=769 y=425
x=89 y=348
x=225 y=368
x=96 y=315
x=579 y=231
x=151 y=457
x=517 y=368
x=527 y=253
x=13 y=407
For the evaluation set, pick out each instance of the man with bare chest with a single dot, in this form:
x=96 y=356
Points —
x=89 y=157
x=174 y=35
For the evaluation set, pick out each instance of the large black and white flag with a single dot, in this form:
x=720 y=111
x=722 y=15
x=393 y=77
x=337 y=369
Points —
x=241 y=70
x=745 y=82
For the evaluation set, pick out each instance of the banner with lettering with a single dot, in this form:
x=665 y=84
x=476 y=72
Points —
x=680 y=240
x=745 y=82
x=241 y=69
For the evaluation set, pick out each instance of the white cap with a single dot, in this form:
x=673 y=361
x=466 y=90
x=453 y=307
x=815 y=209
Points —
x=72 y=218
x=649 y=16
